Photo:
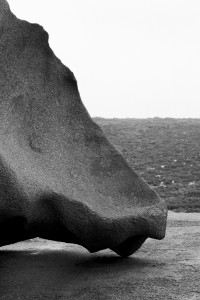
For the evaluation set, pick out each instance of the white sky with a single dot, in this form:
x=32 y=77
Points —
x=132 y=58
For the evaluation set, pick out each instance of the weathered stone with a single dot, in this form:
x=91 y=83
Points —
x=164 y=270
x=60 y=178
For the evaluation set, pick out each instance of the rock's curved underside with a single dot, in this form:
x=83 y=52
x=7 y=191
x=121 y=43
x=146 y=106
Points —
x=164 y=270
x=60 y=178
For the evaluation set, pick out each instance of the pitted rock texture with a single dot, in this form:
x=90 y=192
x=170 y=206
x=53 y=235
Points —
x=60 y=178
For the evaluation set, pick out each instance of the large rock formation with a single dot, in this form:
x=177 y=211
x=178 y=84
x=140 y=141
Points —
x=60 y=178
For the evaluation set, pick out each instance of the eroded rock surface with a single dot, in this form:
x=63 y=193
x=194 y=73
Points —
x=164 y=270
x=60 y=178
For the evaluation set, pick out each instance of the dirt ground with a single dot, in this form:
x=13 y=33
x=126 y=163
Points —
x=167 y=269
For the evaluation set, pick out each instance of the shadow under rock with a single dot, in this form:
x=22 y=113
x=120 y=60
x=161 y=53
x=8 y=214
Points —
x=33 y=273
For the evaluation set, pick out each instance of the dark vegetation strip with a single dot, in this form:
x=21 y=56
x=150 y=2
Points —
x=165 y=152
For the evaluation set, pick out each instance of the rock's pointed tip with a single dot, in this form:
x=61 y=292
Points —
x=4 y=6
x=4 y=9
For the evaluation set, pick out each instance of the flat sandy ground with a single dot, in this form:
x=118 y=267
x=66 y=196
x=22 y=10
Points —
x=167 y=269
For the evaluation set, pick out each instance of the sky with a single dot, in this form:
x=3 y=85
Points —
x=132 y=58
